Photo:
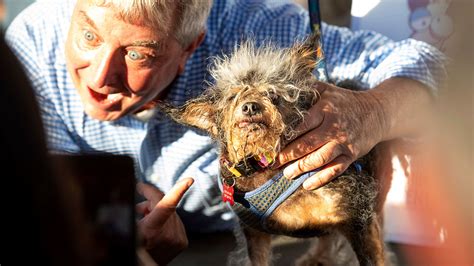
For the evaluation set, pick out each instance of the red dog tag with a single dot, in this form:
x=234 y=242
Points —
x=228 y=194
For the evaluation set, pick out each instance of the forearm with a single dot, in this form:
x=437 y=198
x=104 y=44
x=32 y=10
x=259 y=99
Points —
x=402 y=106
x=367 y=59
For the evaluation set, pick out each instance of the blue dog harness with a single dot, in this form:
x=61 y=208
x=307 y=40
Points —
x=254 y=207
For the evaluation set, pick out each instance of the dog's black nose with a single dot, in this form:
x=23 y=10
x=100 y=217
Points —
x=251 y=108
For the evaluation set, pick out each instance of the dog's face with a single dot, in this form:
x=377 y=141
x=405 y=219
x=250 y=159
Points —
x=256 y=118
x=259 y=96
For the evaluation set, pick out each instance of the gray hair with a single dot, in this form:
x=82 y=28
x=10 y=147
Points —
x=185 y=19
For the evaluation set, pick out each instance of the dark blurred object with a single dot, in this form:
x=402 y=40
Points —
x=40 y=217
x=106 y=187
x=334 y=12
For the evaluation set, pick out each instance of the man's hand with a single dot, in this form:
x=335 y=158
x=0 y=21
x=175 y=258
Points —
x=338 y=129
x=161 y=229
x=344 y=125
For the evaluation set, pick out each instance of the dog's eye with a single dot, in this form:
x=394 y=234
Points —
x=274 y=98
x=271 y=95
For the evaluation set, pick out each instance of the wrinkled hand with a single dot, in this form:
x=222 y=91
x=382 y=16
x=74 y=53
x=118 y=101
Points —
x=342 y=126
x=161 y=230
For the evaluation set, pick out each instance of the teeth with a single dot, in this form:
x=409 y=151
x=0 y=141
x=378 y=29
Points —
x=113 y=97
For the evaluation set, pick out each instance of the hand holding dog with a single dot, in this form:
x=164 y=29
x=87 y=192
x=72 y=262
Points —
x=344 y=125
x=161 y=229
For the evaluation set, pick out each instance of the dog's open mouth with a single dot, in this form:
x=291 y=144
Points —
x=251 y=124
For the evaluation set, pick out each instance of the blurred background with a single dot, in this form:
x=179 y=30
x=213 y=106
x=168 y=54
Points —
x=11 y=8
x=429 y=211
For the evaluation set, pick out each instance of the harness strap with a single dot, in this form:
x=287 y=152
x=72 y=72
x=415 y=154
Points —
x=254 y=207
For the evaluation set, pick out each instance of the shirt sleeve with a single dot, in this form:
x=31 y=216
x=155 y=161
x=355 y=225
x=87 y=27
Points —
x=28 y=40
x=369 y=58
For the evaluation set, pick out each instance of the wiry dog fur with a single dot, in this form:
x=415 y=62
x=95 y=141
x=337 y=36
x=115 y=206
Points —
x=259 y=96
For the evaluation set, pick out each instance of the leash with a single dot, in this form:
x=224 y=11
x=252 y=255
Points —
x=320 y=70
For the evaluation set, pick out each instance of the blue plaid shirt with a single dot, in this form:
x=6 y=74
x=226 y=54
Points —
x=164 y=151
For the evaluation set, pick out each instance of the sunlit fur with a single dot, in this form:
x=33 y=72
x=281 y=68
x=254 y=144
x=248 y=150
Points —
x=278 y=79
x=279 y=86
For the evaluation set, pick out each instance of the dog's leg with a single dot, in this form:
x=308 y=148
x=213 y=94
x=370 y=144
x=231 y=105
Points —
x=239 y=256
x=329 y=250
x=368 y=243
x=258 y=246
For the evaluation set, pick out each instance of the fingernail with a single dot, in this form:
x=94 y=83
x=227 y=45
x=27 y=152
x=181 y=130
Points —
x=189 y=181
x=308 y=185
x=288 y=172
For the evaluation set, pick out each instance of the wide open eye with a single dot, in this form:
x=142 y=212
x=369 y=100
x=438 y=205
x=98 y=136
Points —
x=89 y=36
x=135 y=55
x=88 y=40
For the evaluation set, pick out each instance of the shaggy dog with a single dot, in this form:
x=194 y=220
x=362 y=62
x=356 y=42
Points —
x=259 y=96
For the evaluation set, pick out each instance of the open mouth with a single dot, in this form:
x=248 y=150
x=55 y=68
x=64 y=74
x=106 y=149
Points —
x=105 y=99
x=252 y=124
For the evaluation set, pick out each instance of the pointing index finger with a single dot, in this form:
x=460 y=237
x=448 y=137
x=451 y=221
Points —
x=167 y=205
x=172 y=198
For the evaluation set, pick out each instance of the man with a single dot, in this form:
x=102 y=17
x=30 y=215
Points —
x=97 y=81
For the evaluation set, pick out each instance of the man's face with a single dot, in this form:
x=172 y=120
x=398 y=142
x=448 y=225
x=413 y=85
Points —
x=118 y=67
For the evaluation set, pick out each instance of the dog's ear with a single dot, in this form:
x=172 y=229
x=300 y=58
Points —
x=198 y=112
x=306 y=55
